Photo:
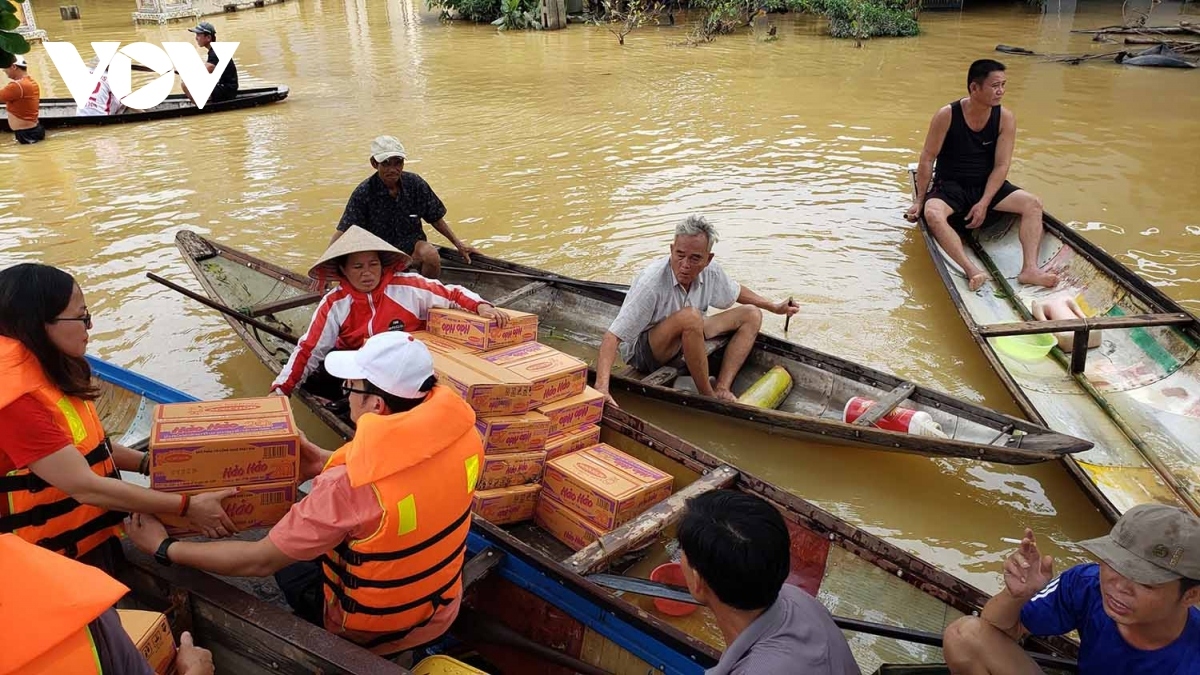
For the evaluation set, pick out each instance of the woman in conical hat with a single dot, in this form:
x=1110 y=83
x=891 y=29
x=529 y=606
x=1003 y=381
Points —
x=374 y=294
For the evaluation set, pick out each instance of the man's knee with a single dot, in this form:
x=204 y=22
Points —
x=751 y=316
x=937 y=212
x=690 y=319
x=1035 y=203
x=962 y=638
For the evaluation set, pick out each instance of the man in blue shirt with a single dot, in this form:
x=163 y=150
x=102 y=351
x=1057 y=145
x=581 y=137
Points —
x=1134 y=611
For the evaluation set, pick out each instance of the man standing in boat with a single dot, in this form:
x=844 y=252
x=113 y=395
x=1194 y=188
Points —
x=664 y=314
x=227 y=85
x=1134 y=610
x=391 y=205
x=972 y=140
x=22 y=97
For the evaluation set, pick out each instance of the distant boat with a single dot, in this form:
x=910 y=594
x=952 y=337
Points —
x=62 y=112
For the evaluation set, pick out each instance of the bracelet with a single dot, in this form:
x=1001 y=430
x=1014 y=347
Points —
x=184 y=504
x=144 y=465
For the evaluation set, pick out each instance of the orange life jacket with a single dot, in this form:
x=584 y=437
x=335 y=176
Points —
x=48 y=602
x=29 y=506
x=422 y=465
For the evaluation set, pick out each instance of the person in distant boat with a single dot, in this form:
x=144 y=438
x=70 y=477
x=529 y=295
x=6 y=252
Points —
x=227 y=86
x=374 y=295
x=664 y=314
x=972 y=140
x=391 y=205
x=102 y=101
x=22 y=97
x=375 y=552
x=1135 y=610
x=736 y=558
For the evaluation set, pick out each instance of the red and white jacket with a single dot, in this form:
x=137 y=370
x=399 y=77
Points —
x=345 y=318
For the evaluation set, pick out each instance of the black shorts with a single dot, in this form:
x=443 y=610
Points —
x=31 y=135
x=222 y=93
x=961 y=198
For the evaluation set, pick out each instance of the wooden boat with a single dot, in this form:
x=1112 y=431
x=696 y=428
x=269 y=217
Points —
x=1136 y=397
x=575 y=314
x=531 y=598
x=61 y=112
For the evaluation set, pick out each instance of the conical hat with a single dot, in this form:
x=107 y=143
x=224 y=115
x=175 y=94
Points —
x=355 y=240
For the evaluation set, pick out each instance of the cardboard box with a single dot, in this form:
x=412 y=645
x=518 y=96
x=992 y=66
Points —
x=507 y=356
x=253 y=506
x=513 y=433
x=516 y=468
x=572 y=441
x=507 y=505
x=554 y=376
x=490 y=390
x=440 y=345
x=605 y=485
x=212 y=444
x=475 y=331
x=573 y=412
x=567 y=526
x=152 y=635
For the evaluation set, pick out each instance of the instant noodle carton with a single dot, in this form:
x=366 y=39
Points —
x=571 y=441
x=440 y=345
x=507 y=356
x=516 y=468
x=605 y=485
x=475 y=331
x=554 y=376
x=575 y=411
x=151 y=632
x=253 y=506
x=513 y=433
x=489 y=389
x=210 y=444
x=507 y=505
x=567 y=526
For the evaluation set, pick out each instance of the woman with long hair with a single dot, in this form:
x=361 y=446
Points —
x=59 y=486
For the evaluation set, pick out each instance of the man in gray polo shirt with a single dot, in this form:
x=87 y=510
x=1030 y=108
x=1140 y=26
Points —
x=664 y=313
x=736 y=556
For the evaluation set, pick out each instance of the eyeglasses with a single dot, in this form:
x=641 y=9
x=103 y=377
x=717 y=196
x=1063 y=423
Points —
x=347 y=390
x=86 y=319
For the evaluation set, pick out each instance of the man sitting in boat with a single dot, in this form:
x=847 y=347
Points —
x=972 y=140
x=1135 y=610
x=22 y=98
x=664 y=314
x=736 y=557
x=385 y=526
x=391 y=205
x=102 y=101
x=227 y=85
x=374 y=295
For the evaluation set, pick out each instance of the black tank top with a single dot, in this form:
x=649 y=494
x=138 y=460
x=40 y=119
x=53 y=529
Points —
x=968 y=156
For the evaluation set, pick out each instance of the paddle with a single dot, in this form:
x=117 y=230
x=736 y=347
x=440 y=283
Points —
x=548 y=278
x=248 y=320
x=655 y=589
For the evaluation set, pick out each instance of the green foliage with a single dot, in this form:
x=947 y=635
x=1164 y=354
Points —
x=517 y=15
x=862 y=19
x=11 y=42
x=479 y=11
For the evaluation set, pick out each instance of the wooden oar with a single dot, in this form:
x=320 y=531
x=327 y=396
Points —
x=656 y=589
x=548 y=278
x=248 y=320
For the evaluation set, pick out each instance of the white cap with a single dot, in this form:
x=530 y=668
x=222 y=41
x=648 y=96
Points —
x=394 y=361
x=19 y=61
x=384 y=148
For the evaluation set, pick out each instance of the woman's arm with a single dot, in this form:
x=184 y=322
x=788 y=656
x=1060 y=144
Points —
x=126 y=459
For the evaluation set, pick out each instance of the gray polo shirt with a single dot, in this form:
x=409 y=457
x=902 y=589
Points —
x=795 y=635
x=655 y=295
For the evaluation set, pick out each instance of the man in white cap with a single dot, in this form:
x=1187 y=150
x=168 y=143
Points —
x=22 y=97
x=384 y=529
x=227 y=86
x=1135 y=610
x=391 y=205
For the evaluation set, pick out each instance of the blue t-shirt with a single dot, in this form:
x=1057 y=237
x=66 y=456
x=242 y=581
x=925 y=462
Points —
x=1073 y=602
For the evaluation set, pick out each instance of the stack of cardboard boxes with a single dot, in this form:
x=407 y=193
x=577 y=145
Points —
x=252 y=444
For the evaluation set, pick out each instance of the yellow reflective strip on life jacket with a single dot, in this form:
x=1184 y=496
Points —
x=472 y=465
x=78 y=431
x=95 y=651
x=407 y=509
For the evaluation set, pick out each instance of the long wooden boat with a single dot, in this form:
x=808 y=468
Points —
x=62 y=112
x=1136 y=397
x=575 y=315
x=530 y=598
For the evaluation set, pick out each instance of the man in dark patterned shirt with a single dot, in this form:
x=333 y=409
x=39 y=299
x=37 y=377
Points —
x=391 y=205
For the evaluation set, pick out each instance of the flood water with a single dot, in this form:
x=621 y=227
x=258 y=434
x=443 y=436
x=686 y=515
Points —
x=566 y=151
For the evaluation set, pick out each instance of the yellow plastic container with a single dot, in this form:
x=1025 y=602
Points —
x=1026 y=347
x=444 y=665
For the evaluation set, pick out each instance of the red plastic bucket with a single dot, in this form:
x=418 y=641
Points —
x=671 y=573
x=897 y=420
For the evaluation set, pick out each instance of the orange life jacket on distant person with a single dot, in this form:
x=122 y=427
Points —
x=422 y=465
x=48 y=602
x=29 y=506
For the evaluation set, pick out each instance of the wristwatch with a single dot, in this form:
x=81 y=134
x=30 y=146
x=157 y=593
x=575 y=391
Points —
x=161 y=554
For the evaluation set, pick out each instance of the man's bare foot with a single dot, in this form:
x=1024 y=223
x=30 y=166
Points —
x=1036 y=277
x=977 y=281
x=724 y=394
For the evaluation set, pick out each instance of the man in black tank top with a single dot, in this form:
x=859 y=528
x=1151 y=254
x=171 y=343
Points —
x=972 y=140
